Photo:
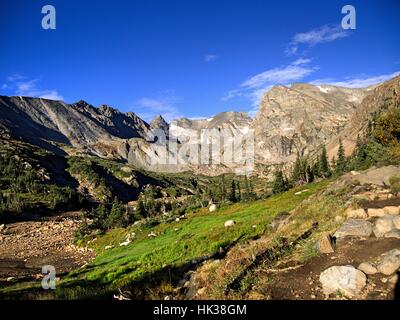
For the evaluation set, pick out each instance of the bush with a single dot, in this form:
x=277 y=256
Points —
x=387 y=127
x=395 y=184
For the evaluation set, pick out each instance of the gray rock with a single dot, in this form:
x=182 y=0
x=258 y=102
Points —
x=367 y=268
x=345 y=279
x=383 y=225
x=396 y=222
x=390 y=262
x=354 y=228
x=393 y=234
x=280 y=220
x=326 y=244
x=229 y=223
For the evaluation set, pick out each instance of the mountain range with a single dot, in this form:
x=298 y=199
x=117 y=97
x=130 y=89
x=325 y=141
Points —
x=292 y=120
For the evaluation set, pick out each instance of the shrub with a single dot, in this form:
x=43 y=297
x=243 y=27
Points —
x=395 y=184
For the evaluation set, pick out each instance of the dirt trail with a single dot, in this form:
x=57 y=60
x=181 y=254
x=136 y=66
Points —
x=302 y=282
x=27 y=246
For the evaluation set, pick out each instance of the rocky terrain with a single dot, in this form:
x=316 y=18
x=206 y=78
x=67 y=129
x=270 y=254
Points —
x=356 y=257
x=27 y=246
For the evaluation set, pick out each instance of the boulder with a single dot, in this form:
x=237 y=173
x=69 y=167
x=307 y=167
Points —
x=212 y=208
x=390 y=262
x=229 y=223
x=354 y=228
x=372 y=212
x=345 y=279
x=367 y=268
x=280 y=220
x=396 y=222
x=394 y=279
x=326 y=244
x=125 y=243
x=383 y=225
x=393 y=210
x=393 y=234
x=356 y=213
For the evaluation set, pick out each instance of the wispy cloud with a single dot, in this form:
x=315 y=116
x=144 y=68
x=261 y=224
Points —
x=301 y=61
x=256 y=86
x=277 y=75
x=164 y=104
x=357 y=81
x=326 y=33
x=210 y=57
x=22 y=86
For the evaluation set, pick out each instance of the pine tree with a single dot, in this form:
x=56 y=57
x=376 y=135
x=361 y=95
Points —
x=316 y=166
x=299 y=174
x=141 y=209
x=247 y=188
x=223 y=195
x=296 y=174
x=239 y=197
x=232 y=194
x=310 y=174
x=341 y=163
x=116 y=217
x=360 y=154
x=100 y=216
x=324 y=170
x=280 y=183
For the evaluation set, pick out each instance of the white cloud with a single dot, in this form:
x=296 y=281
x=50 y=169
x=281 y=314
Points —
x=164 y=105
x=301 y=61
x=278 y=75
x=326 y=33
x=15 y=77
x=22 y=86
x=357 y=82
x=210 y=58
x=232 y=94
x=256 y=86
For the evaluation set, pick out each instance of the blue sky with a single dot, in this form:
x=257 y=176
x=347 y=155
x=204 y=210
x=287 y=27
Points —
x=189 y=57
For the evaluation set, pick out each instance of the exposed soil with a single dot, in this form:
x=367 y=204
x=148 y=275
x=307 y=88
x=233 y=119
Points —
x=302 y=282
x=25 y=247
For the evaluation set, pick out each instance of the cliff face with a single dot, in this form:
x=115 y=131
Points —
x=379 y=97
x=298 y=119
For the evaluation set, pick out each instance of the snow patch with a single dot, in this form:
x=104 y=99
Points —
x=325 y=90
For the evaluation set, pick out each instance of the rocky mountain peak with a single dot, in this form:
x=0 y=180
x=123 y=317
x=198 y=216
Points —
x=108 y=111
x=159 y=123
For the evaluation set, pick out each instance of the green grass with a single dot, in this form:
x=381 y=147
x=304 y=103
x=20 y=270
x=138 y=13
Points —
x=199 y=235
